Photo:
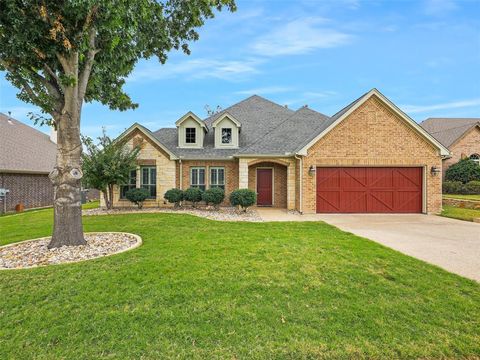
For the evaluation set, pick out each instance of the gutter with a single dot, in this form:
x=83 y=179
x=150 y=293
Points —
x=301 y=183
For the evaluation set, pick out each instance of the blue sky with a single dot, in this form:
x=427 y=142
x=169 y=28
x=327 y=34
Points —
x=424 y=55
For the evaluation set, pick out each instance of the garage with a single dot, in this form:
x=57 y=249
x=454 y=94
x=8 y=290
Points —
x=369 y=189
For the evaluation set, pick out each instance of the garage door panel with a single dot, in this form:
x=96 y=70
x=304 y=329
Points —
x=369 y=190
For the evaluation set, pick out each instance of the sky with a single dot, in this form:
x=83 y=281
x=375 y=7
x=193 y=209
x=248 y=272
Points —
x=423 y=55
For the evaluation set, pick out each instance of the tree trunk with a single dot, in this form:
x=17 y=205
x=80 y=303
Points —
x=110 y=196
x=105 y=197
x=67 y=174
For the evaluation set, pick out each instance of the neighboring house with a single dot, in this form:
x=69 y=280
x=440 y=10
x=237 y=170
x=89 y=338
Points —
x=370 y=157
x=26 y=158
x=460 y=135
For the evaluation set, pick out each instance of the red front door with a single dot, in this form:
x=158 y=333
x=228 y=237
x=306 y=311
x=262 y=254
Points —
x=369 y=190
x=264 y=187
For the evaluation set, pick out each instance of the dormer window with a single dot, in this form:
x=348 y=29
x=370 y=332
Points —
x=190 y=135
x=227 y=131
x=226 y=135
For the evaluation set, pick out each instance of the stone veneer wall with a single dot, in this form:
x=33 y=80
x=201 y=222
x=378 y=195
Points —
x=150 y=154
x=373 y=135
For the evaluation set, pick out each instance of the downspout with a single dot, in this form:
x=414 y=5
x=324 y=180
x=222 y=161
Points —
x=301 y=183
x=180 y=180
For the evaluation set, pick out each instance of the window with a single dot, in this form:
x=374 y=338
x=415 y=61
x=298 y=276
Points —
x=475 y=158
x=197 y=177
x=190 y=135
x=226 y=136
x=149 y=180
x=131 y=184
x=217 y=177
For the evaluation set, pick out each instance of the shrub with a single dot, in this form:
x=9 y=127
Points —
x=465 y=170
x=137 y=196
x=174 y=196
x=213 y=196
x=194 y=195
x=243 y=198
x=473 y=187
x=452 y=187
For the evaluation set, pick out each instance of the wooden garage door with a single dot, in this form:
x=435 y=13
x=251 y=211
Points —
x=369 y=190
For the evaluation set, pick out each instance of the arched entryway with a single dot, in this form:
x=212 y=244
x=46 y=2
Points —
x=269 y=180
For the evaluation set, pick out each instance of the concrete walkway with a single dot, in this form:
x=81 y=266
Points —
x=451 y=244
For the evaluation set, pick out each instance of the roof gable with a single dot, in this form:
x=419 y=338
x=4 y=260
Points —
x=223 y=116
x=345 y=112
x=191 y=115
x=449 y=130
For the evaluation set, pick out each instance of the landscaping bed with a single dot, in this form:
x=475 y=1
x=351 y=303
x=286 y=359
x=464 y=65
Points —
x=221 y=214
x=33 y=253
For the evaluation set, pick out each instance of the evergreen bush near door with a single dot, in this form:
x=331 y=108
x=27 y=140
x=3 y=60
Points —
x=194 y=195
x=137 y=196
x=174 y=196
x=243 y=198
x=213 y=196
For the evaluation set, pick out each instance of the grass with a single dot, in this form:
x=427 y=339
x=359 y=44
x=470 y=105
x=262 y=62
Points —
x=475 y=197
x=460 y=213
x=204 y=289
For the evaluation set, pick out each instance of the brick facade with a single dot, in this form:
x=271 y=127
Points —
x=279 y=181
x=231 y=174
x=373 y=135
x=467 y=145
x=32 y=190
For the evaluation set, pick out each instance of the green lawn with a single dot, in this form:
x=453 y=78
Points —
x=205 y=289
x=462 y=197
x=460 y=213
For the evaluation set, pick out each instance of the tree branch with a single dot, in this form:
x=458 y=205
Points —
x=87 y=69
x=24 y=83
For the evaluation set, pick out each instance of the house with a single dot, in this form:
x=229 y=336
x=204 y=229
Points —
x=369 y=157
x=26 y=158
x=460 y=135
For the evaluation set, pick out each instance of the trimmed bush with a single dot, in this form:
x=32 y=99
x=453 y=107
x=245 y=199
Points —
x=452 y=187
x=243 y=198
x=174 y=196
x=473 y=187
x=137 y=196
x=194 y=195
x=213 y=196
x=465 y=170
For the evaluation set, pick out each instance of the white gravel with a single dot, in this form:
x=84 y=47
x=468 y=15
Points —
x=35 y=252
x=222 y=214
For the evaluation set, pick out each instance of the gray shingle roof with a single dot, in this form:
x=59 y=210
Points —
x=24 y=149
x=449 y=130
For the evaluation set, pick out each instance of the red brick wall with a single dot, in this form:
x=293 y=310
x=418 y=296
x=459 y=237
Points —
x=279 y=182
x=30 y=189
x=231 y=174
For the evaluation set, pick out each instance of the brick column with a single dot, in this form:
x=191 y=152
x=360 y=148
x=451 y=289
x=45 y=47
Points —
x=243 y=173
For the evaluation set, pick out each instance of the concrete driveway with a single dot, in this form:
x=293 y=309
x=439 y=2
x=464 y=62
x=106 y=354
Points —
x=451 y=244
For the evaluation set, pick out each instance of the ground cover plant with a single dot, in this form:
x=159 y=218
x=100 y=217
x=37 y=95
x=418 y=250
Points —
x=460 y=213
x=206 y=289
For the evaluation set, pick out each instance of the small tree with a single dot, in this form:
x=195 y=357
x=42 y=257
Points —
x=107 y=164
x=465 y=170
x=213 y=196
x=137 y=196
x=174 y=196
x=194 y=195
x=243 y=198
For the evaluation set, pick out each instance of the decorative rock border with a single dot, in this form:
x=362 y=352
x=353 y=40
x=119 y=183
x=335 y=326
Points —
x=35 y=253
x=461 y=203
x=222 y=214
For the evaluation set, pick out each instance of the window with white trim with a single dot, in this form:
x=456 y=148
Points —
x=131 y=184
x=226 y=135
x=197 y=177
x=149 y=180
x=475 y=158
x=190 y=135
x=217 y=177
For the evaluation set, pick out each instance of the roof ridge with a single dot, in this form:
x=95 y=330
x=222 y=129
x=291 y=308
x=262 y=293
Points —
x=456 y=127
x=351 y=103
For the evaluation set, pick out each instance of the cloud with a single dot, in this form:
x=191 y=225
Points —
x=439 y=7
x=442 y=106
x=197 y=69
x=300 y=36
x=265 y=90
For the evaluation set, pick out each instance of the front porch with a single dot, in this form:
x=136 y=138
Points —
x=273 y=179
